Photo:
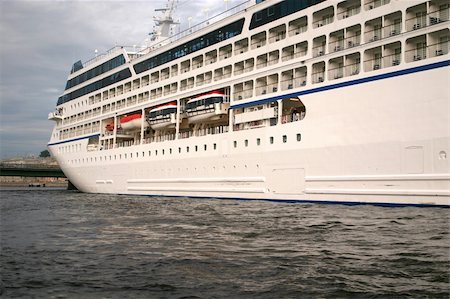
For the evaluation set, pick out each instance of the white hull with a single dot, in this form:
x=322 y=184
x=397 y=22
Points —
x=370 y=142
x=370 y=123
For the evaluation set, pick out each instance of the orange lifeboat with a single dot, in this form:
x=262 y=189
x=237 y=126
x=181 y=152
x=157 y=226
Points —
x=131 y=122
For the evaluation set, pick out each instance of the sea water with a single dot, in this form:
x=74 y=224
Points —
x=65 y=244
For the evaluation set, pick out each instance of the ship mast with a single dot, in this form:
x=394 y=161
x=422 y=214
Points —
x=163 y=23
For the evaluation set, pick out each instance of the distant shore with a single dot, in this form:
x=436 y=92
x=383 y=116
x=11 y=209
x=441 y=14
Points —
x=35 y=184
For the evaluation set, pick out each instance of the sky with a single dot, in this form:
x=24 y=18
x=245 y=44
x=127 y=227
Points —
x=40 y=40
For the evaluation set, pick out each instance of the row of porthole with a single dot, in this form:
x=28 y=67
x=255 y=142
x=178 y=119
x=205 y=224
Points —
x=163 y=151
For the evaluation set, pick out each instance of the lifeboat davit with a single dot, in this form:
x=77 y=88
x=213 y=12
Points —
x=131 y=122
x=163 y=117
x=209 y=107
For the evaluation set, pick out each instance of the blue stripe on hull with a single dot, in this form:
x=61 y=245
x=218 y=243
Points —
x=348 y=83
x=71 y=140
x=303 y=201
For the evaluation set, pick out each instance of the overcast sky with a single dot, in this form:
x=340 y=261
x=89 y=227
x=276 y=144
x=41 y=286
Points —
x=40 y=40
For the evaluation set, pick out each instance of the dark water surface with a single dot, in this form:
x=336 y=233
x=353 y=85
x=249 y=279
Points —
x=62 y=244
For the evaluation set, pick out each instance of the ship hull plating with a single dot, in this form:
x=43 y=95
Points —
x=384 y=141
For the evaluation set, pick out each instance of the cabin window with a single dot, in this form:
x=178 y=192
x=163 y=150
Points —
x=205 y=147
x=163 y=152
x=179 y=150
x=187 y=149
x=246 y=142
x=170 y=151
x=299 y=137
x=258 y=141
x=196 y=148
x=271 y=140
x=235 y=143
x=284 y=138
x=215 y=146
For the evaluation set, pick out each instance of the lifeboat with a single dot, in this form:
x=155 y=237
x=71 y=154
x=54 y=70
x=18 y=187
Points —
x=163 y=117
x=131 y=122
x=206 y=108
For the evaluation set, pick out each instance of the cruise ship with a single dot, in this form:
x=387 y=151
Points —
x=343 y=101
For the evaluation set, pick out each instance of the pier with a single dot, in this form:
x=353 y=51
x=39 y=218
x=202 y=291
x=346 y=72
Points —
x=30 y=170
x=22 y=172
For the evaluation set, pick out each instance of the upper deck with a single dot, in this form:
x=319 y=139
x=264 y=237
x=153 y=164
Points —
x=323 y=45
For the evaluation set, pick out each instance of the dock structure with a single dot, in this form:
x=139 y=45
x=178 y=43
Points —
x=30 y=170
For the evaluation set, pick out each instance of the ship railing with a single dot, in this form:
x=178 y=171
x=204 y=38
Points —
x=349 y=11
x=288 y=118
x=429 y=19
x=336 y=45
x=126 y=143
x=204 y=132
x=265 y=89
x=391 y=60
x=277 y=37
x=325 y=20
x=375 y=3
x=336 y=73
x=352 y=69
x=300 y=52
x=433 y=50
x=161 y=138
x=318 y=77
x=243 y=94
x=373 y=64
x=232 y=11
x=318 y=51
x=297 y=30
x=243 y=70
x=373 y=35
x=109 y=52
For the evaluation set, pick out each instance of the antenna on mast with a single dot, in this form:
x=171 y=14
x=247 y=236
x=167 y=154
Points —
x=162 y=28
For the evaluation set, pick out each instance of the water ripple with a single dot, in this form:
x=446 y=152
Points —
x=59 y=244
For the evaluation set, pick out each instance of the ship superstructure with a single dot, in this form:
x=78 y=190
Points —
x=298 y=100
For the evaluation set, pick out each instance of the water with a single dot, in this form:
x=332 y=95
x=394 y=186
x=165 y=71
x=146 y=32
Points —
x=62 y=244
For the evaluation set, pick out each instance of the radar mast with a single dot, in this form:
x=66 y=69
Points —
x=163 y=23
